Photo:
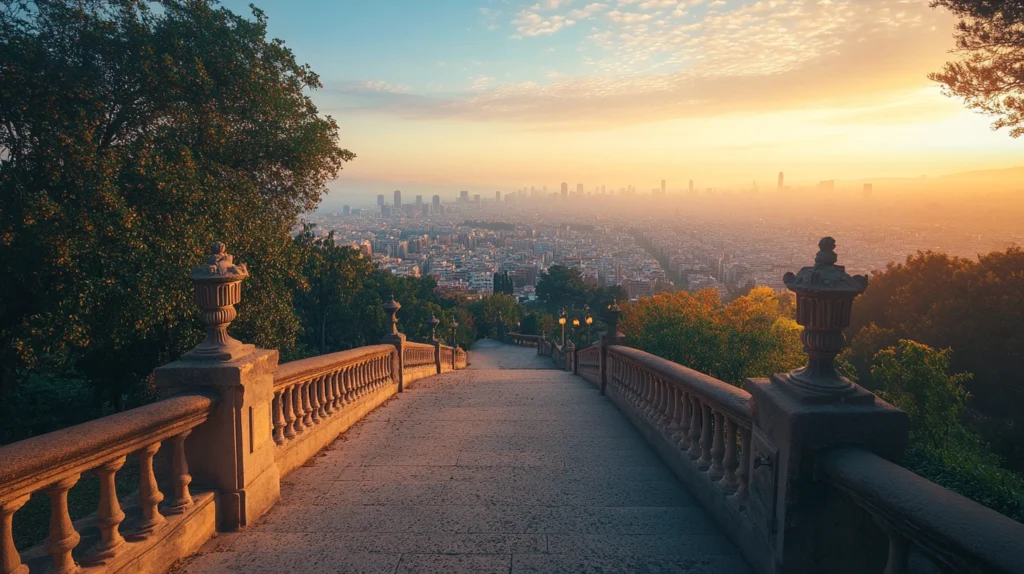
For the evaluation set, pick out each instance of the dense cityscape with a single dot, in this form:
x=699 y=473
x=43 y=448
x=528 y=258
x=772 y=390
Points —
x=651 y=242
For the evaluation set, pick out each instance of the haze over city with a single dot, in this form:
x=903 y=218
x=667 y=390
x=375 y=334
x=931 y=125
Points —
x=497 y=95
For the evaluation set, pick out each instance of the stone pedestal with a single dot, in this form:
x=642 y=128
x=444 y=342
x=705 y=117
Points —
x=398 y=340
x=807 y=527
x=232 y=453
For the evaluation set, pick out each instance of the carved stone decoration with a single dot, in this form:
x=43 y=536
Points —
x=433 y=322
x=391 y=308
x=824 y=299
x=218 y=288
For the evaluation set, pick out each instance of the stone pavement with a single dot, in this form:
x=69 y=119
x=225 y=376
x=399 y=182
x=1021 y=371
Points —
x=508 y=466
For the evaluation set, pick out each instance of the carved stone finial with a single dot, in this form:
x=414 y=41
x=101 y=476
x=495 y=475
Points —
x=392 y=307
x=218 y=288
x=824 y=300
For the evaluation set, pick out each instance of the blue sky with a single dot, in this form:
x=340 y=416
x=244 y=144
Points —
x=456 y=94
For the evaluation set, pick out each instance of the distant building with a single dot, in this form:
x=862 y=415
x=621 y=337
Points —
x=782 y=180
x=437 y=203
x=464 y=196
x=419 y=201
x=346 y=210
x=380 y=200
x=663 y=187
x=497 y=196
x=602 y=189
x=691 y=186
x=579 y=190
x=565 y=189
x=398 y=199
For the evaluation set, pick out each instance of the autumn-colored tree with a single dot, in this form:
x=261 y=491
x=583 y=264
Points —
x=750 y=337
x=133 y=135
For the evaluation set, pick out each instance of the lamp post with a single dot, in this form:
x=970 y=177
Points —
x=455 y=327
x=575 y=331
x=433 y=322
x=561 y=321
x=590 y=322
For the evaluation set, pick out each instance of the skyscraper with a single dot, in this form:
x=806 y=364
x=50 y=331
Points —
x=346 y=210
x=691 y=186
x=419 y=201
x=380 y=200
x=782 y=180
x=579 y=189
x=497 y=196
x=398 y=199
x=663 y=187
x=464 y=195
x=565 y=189
x=437 y=204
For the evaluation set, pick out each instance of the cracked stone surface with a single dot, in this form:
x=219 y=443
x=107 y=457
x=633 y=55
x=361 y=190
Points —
x=508 y=466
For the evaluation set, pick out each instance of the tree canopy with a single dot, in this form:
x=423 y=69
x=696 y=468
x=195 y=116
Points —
x=990 y=74
x=132 y=136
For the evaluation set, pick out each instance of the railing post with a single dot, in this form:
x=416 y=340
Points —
x=398 y=340
x=797 y=416
x=434 y=322
x=612 y=337
x=233 y=451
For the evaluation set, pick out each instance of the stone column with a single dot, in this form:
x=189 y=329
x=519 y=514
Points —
x=433 y=322
x=398 y=340
x=567 y=354
x=612 y=337
x=233 y=451
x=800 y=414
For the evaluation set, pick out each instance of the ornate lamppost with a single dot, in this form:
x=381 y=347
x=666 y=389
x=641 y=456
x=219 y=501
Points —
x=588 y=320
x=433 y=322
x=455 y=327
x=391 y=308
x=561 y=321
x=575 y=331
x=824 y=299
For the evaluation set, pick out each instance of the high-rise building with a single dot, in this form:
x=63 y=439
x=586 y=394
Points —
x=437 y=203
x=565 y=189
x=464 y=196
x=380 y=200
x=691 y=186
x=782 y=181
x=579 y=189
x=663 y=187
x=476 y=199
x=346 y=210
x=497 y=196
x=398 y=199
x=419 y=201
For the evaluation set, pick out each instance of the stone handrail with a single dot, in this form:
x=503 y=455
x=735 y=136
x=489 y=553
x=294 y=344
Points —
x=331 y=391
x=418 y=354
x=589 y=366
x=54 y=462
x=956 y=534
x=706 y=421
x=447 y=358
x=461 y=358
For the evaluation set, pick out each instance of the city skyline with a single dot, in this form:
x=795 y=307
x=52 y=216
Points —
x=552 y=90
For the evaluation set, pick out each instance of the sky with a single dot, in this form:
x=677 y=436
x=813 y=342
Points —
x=499 y=94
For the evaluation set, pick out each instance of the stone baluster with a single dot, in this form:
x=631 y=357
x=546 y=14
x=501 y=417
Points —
x=672 y=412
x=326 y=399
x=716 y=472
x=729 y=483
x=682 y=436
x=10 y=560
x=744 y=470
x=307 y=406
x=289 y=414
x=665 y=404
x=63 y=537
x=695 y=428
x=149 y=494
x=313 y=390
x=182 y=498
x=278 y=407
x=297 y=409
x=337 y=390
x=706 y=437
x=322 y=394
x=348 y=380
x=899 y=551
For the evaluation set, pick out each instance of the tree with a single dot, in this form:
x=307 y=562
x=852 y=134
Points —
x=133 y=135
x=491 y=310
x=562 y=287
x=503 y=283
x=990 y=75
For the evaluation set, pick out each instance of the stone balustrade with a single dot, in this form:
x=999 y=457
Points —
x=447 y=358
x=926 y=526
x=420 y=361
x=461 y=358
x=113 y=539
x=589 y=364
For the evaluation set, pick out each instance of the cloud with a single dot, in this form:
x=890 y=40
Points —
x=480 y=83
x=767 y=56
x=529 y=23
x=587 y=11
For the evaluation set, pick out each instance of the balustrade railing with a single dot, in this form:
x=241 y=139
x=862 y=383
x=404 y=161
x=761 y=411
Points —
x=461 y=359
x=920 y=517
x=418 y=354
x=309 y=391
x=54 y=462
x=447 y=358
x=590 y=364
x=707 y=420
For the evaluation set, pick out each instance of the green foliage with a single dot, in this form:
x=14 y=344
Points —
x=916 y=379
x=973 y=307
x=990 y=75
x=487 y=310
x=134 y=135
x=562 y=287
x=503 y=283
x=750 y=337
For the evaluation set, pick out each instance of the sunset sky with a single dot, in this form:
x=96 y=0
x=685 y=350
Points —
x=484 y=95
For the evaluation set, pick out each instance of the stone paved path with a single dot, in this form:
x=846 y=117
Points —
x=508 y=466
